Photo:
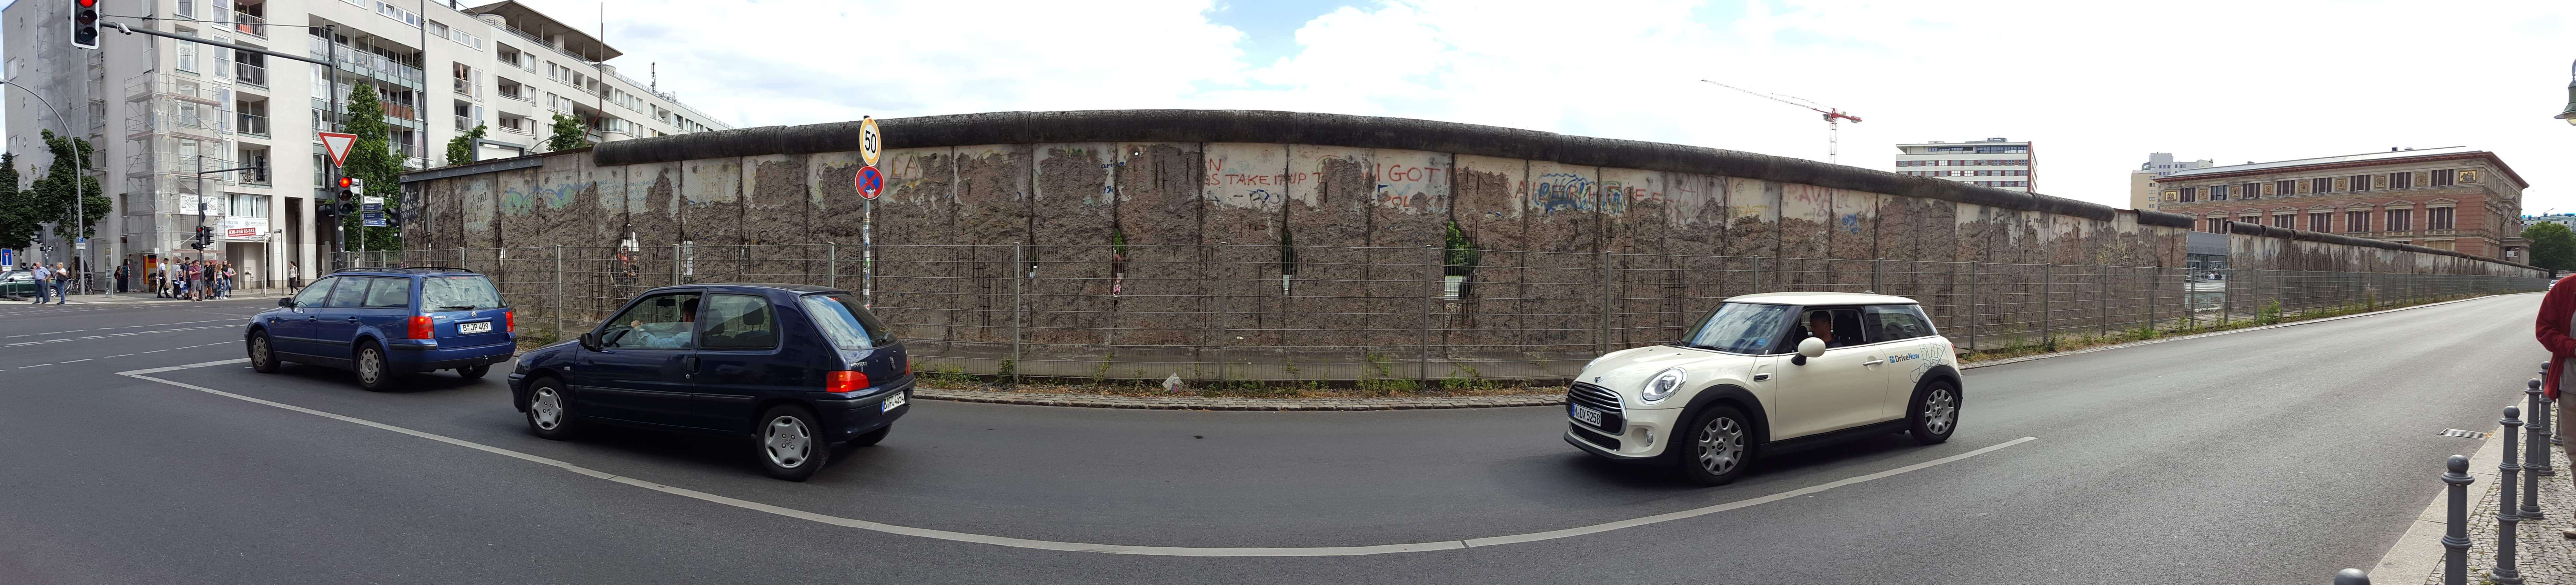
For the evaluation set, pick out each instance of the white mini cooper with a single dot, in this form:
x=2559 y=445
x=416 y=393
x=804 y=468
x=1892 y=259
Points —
x=1765 y=374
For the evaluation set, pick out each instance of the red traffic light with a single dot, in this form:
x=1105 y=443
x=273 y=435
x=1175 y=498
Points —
x=344 y=182
x=87 y=3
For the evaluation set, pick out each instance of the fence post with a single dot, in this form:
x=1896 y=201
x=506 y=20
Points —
x=2102 y=290
x=2047 y=274
x=831 y=265
x=675 y=264
x=2506 y=516
x=1607 y=278
x=1877 y=275
x=1431 y=293
x=2455 y=538
x=1972 y=306
x=559 y=286
x=1016 y=310
x=1757 y=275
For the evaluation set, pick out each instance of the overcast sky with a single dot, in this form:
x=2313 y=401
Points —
x=2096 y=87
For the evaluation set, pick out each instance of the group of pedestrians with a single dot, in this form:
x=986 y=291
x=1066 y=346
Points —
x=195 y=280
x=49 y=281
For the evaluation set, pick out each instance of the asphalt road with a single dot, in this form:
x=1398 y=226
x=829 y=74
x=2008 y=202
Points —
x=2273 y=455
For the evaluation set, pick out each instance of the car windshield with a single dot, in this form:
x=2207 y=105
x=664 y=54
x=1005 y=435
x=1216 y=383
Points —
x=845 y=321
x=458 y=293
x=1739 y=328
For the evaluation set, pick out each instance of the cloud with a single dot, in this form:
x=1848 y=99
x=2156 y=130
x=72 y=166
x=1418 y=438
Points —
x=2096 y=85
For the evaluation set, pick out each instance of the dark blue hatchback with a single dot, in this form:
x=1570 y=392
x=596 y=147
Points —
x=793 y=367
x=384 y=323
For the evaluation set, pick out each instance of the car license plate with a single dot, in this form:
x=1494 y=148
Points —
x=483 y=327
x=890 y=402
x=1586 y=415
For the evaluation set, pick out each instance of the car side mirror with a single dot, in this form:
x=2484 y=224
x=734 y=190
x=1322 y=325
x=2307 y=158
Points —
x=590 y=341
x=288 y=302
x=1808 y=348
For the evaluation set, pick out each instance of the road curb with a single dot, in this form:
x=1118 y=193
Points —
x=2016 y=360
x=2419 y=551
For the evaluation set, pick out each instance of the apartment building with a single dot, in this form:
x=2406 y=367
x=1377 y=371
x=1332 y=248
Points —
x=1993 y=162
x=2142 y=182
x=160 y=109
x=2453 y=198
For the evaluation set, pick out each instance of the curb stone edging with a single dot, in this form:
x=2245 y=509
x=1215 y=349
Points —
x=1443 y=402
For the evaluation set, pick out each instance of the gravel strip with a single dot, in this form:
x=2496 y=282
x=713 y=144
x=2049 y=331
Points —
x=1273 y=404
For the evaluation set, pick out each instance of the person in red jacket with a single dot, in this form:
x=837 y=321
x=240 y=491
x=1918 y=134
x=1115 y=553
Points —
x=2556 y=321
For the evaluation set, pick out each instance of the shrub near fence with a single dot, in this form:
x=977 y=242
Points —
x=1395 y=317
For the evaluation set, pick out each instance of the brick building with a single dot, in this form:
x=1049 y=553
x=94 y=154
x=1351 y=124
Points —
x=2454 y=198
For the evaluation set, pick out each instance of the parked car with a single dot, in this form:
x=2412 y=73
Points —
x=1765 y=374
x=794 y=368
x=18 y=283
x=385 y=323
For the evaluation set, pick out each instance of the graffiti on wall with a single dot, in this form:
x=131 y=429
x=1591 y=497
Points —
x=1554 y=192
x=1247 y=176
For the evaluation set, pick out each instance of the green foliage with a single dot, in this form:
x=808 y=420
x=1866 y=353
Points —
x=50 y=197
x=2553 y=246
x=373 y=161
x=1462 y=255
x=2270 y=314
x=17 y=207
x=567 y=133
x=461 y=149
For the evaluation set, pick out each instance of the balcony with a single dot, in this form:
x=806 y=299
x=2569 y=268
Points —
x=250 y=125
x=465 y=124
x=519 y=93
x=522 y=131
x=468 y=88
x=202 y=127
x=246 y=24
x=252 y=75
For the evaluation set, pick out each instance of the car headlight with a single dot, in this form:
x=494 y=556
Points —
x=1663 y=385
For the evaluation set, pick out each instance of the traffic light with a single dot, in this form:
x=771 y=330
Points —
x=348 y=195
x=205 y=238
x=85 y=24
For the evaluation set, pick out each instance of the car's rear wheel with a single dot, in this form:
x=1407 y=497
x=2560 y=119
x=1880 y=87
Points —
x=789 y=443
x=373 y=373
x=549 y=410
x=871 y=437
x=263 y=357
x=1715 y=448
x=1935 y=413
x=475 y=372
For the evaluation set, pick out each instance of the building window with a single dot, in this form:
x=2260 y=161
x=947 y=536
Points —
x=2217 y=225
x=2250 y=189
x=2438 y=218
x=2217 y=192
x=2400 y=219
x=2284 y=221
x=2356 y=221
x=2320 y=221
x=2190 y=194
x=2285 y=188
x=2401 y=180
x=2442 y=178
x=2321 y=185
x=2361 y=182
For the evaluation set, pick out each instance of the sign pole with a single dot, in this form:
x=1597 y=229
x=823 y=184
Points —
x=869 y=182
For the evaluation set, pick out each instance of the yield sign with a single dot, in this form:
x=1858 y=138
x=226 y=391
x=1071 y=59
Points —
x=338 y=144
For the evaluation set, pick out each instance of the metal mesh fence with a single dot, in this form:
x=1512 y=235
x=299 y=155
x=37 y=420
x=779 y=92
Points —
x=1341 y=314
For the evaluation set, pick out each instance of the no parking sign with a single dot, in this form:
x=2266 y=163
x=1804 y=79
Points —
x=869 y=182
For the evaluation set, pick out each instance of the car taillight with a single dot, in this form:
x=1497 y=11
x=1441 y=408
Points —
x=420 y=328
x=907 y=365
x=844 y=381
x=510 y=320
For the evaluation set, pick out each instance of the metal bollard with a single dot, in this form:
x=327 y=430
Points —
x=2536 y=448
x=2351 y=577
x=2455 y=539
x=2507 y=517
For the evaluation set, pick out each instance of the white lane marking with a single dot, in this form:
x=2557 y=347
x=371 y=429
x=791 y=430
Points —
x=157 y=351
x=33 y=366
x=1180 y=551
x=77 y=360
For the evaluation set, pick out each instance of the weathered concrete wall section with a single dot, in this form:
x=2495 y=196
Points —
x=1302 y=246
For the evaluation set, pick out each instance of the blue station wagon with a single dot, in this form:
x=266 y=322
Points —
x=794 y=367
x=385 y=323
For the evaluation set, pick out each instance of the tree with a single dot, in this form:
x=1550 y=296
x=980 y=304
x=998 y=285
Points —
x=567 y=133
x=17 y=207
x=2553 y=246
x=50 y=197
x=461 y=149
x=372 y=161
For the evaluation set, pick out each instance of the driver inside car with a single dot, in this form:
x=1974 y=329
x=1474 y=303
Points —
x=667 y=334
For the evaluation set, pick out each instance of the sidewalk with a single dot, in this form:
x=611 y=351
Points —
x=2541 y=554
x=122 y=298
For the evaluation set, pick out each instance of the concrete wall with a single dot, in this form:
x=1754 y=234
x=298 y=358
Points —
x=1155 y=237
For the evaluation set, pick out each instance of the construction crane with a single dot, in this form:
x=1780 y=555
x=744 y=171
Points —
x=1833 y=118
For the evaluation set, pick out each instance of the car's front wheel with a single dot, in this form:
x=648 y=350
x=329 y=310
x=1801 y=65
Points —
x=1935 y=413
x=374 y=374
x=263 y=357
x=1714 y=447
x=549 y=410
x=790 y=444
